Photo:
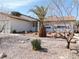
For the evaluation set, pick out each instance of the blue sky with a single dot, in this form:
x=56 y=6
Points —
x=23 y=6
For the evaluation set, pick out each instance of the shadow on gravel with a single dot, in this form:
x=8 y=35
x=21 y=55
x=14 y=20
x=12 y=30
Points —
x=43 y=50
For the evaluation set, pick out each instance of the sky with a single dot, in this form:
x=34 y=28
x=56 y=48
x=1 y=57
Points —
x=24 y=6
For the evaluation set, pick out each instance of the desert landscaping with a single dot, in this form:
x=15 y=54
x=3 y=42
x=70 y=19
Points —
x=41 y=29
x=18 y=46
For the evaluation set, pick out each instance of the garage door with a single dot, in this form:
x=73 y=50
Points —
x=4 y=26
x=49 y=28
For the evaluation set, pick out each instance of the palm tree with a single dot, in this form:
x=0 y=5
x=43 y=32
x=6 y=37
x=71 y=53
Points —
x=41 y=12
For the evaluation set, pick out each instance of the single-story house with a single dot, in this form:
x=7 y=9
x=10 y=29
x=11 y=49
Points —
x=60 y=24
x=12 y=23
x=26 y=23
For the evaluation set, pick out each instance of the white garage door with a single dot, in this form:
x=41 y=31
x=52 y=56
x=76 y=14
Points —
x=5 y=26
x=49 y=28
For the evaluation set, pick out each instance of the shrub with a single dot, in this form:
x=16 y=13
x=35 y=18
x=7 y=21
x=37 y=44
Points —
x=36 y=44
x=14 y=31
x=20 y=32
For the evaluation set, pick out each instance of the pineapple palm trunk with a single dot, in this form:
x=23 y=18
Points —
x=42 y=31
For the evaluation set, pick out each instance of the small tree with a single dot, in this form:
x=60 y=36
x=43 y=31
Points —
x=68 y=37
x=61 y=9
x=41 y=13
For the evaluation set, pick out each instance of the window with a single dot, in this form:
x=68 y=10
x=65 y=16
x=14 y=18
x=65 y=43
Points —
x=48 y=27
x=61 y=26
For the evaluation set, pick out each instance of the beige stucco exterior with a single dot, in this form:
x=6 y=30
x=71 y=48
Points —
x=25 y=23
x=53 y=24
x=15 y=24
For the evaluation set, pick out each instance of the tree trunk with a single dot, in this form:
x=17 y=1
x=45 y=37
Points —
x=42 y=31
x=68 y=45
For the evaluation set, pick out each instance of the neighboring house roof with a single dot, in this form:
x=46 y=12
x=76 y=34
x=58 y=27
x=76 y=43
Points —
x=50 y=18
x=65 y=18
x=22 y=17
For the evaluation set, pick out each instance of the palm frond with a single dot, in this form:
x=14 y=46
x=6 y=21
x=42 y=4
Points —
x=40 y=12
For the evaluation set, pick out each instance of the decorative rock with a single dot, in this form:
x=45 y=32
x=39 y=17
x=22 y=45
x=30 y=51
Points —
x=61 y=57
x=22 y=41
x=3 y=55
x=73 y=41
x=74 y=51
x=28 y=39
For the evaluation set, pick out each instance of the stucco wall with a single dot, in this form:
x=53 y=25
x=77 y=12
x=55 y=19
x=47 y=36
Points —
x=15 y=24
x=4 y=21
x=52 y=26
x=20 y=25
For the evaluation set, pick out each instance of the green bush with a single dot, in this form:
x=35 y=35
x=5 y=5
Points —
x=14 y=31
x=20 y=32
x=36 y=44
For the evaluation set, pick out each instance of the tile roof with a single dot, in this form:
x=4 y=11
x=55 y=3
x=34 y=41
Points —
x=50 y=18
x=22 y=17
x=65 y=18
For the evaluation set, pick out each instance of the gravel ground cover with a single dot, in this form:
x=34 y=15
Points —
x=19 y=47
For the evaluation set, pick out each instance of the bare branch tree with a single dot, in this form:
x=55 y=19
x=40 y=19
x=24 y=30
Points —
x=61 y=9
